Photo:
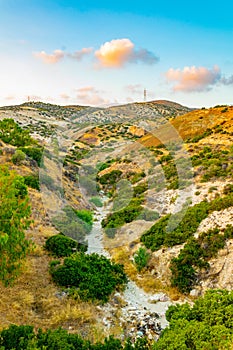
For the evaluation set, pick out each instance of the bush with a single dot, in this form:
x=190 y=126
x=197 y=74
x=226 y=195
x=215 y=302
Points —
x=90 y=184
x=205 y=325
x=123 y=216
x=18 y=157
x=24 y=337
x=195 y=255
x=35 y=153
x=61 y=246
x=148 y=215
x=96 y=201
x=32 y=181
x=93 y=277
x=86 y=216
x=16 y=337
x=110 y=178
x=141 y=258
x=176 y=229
x=12 y=133
x=68 y=223
x=140 y=188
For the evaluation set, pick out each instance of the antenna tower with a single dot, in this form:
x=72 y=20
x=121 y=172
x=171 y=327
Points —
x=144 y=95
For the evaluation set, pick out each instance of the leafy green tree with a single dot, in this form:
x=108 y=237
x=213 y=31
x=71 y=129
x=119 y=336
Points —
x=14 y=219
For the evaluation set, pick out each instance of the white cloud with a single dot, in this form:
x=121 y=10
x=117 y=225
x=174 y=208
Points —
x=116 y=53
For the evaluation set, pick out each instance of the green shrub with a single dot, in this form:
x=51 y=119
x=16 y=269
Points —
x=86 y=216
x=18 y=157
x=148 y=215
x=12 y=133
x=141 y=258
x=110 y=178
x=96 y=201
x=14 y=220
x=35 y=153
x=176 y=229
x=195 y=255
x=93 y=277
x=60 y=245
x=90 y=184
x=68 y=223
x=25 y=338
x=16 y=337
x=140 y=188
x=32 y=181
x=205 y=325
x=228 y=189
x=137 y=177
x=125 y=215
x=103 y=166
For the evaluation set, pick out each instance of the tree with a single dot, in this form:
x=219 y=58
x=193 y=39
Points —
x=14 y=219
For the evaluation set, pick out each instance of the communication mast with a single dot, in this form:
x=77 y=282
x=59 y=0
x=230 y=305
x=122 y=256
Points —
x=144 y=95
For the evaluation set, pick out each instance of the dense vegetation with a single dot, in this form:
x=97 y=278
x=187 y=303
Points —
x=90 y=277
x=34 y=153
x=12 y=133
x=32 y=181
x=25 y=338
x=141 y=258
x=176 y=229
x=213 y=163
x=125 y=215
x=74 y=223
x=14 y=220
x=60 y=245
x=207 y=325
x=195 y=255
x=96 y=201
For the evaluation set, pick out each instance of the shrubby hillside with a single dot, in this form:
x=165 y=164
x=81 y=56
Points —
x=153 y=183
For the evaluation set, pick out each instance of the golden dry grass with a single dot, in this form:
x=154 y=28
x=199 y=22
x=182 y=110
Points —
x=191 y=124
x=35 y=300
x=145 y=279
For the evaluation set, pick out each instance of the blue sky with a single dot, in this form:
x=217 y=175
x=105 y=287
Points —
x=99 y=53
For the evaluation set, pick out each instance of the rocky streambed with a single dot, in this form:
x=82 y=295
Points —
x=141 y=314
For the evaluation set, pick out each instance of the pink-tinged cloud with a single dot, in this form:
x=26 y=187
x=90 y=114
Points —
x=10 y=97
x=78 y=55
x=55 y=57
x=65 y=96
x=135 y=89
x=118 y=52
x=88 y=95
x=193 y=78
